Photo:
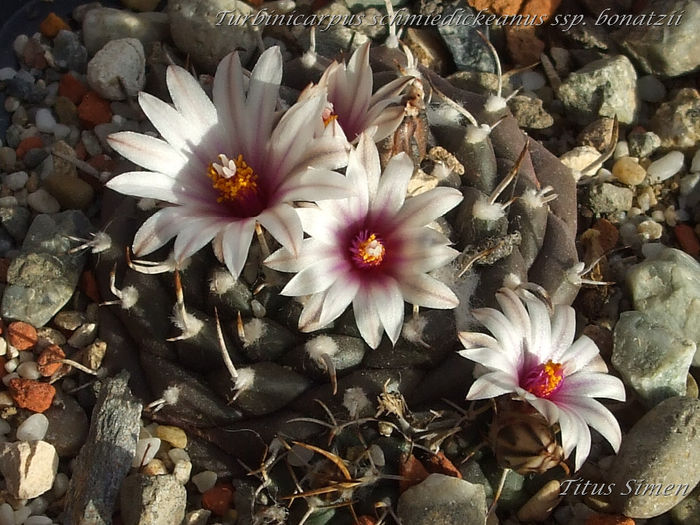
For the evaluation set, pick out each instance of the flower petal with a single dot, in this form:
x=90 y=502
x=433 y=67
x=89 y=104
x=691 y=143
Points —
x=563 y=330
x=389 y=303
x=426 y=207
x=578 y=355
x=540 y=339
x=190 y=100
x=338 y=298
x=169 y=123
x=393 y=184
x=423 y=290
x=585 y=384
x=236 y=238
x=386 y=122
x=312 y=250
x=229 y=99
x=477 y=340
x=367 y=319
x=600 y=418
x=284 y=225
x=491 y=385
x=515 y=312
x=501 y=327
x=308 y=320
x=495 y=360
x=194 y=234
x=314 y=184
x=263 y=90
x=152 y=185
x=157 y=230
x=314 y=278
x=151 y=153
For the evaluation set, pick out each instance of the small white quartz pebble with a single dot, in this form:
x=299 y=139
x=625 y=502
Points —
x=45 y=120
x=182 y=471
x=204 y=480
x=665 y=167
x=178 y=454
x=33 y=428
x=29 y=370
x=3 y=346
x=146 y=450
x=43 y=202
x=16 y=181
x=622 y=149
x=11 y=365
x=7 y=73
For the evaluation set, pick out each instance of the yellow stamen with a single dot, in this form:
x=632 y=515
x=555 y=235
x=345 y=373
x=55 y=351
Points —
x=330 y=118
x=371 y=251
x=232 y=188
x=545 y=379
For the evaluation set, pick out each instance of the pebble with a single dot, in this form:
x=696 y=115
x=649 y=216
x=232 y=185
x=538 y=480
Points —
x=540 y=505
x=118 y=70
x=69 y=319
x=27 y=144
x=21 y=335
x=665 y=167
x=666 y=287
x=104 y=24
x=608 y=198
x=204 y=481
x=45 y=120
x=141 y=5
x=643 y=144
x=52 y=24
x=182 y=471
x=4 y=427
x=652 y=359
x=173 y=435
x=152 y=500
x=43 y=202
x=94 y=110
x=16 y=181
x=83 y=336
x=155 y=467
x=33 y=428
x=71 y=88
x=8 y=158
x=650 y=230
x=603 y=88
x=628 y=171
x=651 y=89
x=32 y=395
x=663 y=447
x=194 y=30
x=146 y=450
x=69 y=53
x=29 y=370
x=530 y=112
x=68 y=425
x=47 y=361
x=579 y=158
x=463 y=42
x=442 y=500
x=676 y=122
x=687 y=239
x=6 y=73
x=29 y=468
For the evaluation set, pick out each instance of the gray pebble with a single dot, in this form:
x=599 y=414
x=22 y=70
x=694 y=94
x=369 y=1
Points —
x=69 y=52
x=104 y=24
x=153 y=500
x=118 y=70
x=608 y=198
x=643 y=144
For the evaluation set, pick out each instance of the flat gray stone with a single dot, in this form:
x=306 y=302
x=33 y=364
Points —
x=677 y=122
x=152 y=500
x=608 y=198
x=104 y=24
x=603 y=88
x=659 y=461
x=666 y=287
x=118 y=70
x=43 y=277
x=105 y=459
x=653 y=360
x=442 y=500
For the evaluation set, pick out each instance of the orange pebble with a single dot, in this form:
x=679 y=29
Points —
x=21 y=335
x=49 y=360
x=439 y=464
x=94 y=110
x=609 y=519
x=32 y=395
x=52 y=24
x=27 y=144
x=72 y=88
x=218 y=499
x=687 y=239
x=411 y=471
x=366 y=520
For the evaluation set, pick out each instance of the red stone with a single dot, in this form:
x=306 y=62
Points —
x=72 y=88
x=687 y=239
x=439 y=464
x=32 y=395
x=52 y=24
x=27 y=144
x=411 y=471
x=49 y=360
x=94 y=110
x=609 y=519
x=21 y=335
x=219 y=498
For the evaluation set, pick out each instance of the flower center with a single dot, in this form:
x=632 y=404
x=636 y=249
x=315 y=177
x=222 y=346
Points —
x=328 y=116
x=237 y=184
x=367 y=250
x=544 y=379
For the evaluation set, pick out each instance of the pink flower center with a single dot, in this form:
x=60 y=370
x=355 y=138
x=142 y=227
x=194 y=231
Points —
x=367 y=250
x=237 y=184
x=544 y=379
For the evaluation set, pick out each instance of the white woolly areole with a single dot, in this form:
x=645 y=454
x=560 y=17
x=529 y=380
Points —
x=412 y=330
x=475 y=135
x=221 y=281
x=532 y=198
x=101 y=242
x=253 y=330
x=319 y=346
x=190 y=325
x=495 y=103
x=487 y=212
x=444 y=115
x=464 y=289
x=245 y=379
x=171 y=395
x=129 y=297
x=146 y=204
x=356 y=402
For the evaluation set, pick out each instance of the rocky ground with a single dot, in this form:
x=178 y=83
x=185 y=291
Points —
x=106 y=419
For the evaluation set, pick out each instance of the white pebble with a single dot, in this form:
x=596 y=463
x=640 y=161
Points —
x=45 y=121
x=3 y=346
x=146 y=450
x=178 y=454
x=9 y=377
x=33 y=428
x=622 y=149
x=11 y=104
x=650 y=230
x=4 y=427
x=665 y=167
x=204 y=480
x=38 y=520
x=6 y=399
x=7 y=515
x=695 y=165
x=651 y=89
x=16 y=181
x=658 y=216
x=11 y=365
x=7 y=73
x=29 y=370
x=43 y=202
x=19 y=43
x=182 y=471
